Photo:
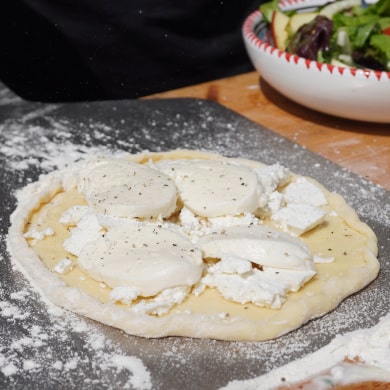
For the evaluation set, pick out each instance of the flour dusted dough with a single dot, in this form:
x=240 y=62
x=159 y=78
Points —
x=341 y=235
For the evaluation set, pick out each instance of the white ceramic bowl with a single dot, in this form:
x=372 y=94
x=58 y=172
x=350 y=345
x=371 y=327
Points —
x=341 y=91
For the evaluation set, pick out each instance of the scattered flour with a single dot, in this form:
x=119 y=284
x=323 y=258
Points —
x=40 y=343
x=140 y=379
x=371 y=346
x=31 y=349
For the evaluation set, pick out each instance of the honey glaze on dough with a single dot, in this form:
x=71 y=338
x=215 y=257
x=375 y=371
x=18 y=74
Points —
x=287 y=251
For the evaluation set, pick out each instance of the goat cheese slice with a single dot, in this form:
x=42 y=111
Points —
x=261 y=245
x=122 y=188
x=213 y=188
x=146 y=258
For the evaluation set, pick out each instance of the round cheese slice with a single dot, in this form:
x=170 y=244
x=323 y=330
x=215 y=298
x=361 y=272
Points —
x=144 y=257
x=260 y=244
x=213 y=188
x=122 y=188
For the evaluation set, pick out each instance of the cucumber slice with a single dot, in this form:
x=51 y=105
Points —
x=333 y=8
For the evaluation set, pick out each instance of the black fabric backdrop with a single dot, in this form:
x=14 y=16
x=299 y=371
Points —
x=70 y=50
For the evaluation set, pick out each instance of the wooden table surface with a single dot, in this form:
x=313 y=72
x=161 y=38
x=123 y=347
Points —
x=363 y=148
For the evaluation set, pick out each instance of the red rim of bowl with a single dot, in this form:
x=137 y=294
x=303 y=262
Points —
x=248 y=31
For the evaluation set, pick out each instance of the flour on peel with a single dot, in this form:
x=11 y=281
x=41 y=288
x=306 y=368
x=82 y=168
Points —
x=371 y=346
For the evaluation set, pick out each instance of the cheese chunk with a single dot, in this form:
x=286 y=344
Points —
x=213 y=188
x=163 y=302
x=267 y=287
x=298 y=218
x=145 y=257
x=88 y=229
x=303 y=191
x=63 y=266
x=122 y=188
x=254 y=287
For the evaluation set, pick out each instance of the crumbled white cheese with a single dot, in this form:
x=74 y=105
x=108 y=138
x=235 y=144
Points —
x=196 y=227
x=253 y=287
x=294 y=279
x=231 y=264
x=266 y=287
x=72 y=216
x=246 y=219
x=304 y=191
x=275 y=201
x=162 y=302
x=298 y=218
x=283 y=263
x=238 y=281
x=189 y=222
x=39 y=234
x=124 y=294
x=63 y=266
x=87 y=230
x=270 y=177
x=318 y=259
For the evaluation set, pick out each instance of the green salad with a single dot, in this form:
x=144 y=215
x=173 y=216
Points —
x=344 y=33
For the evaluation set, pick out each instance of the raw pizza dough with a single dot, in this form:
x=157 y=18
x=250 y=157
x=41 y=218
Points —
x=345 y=249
